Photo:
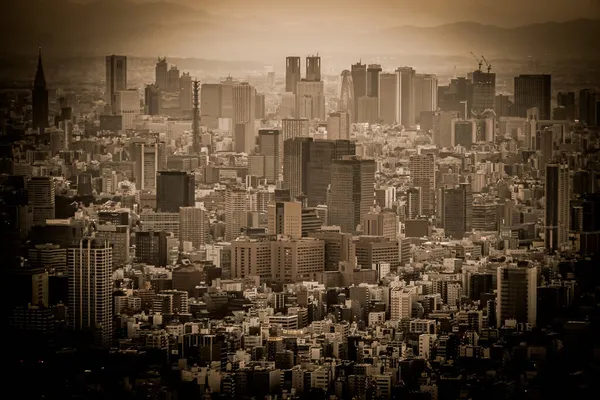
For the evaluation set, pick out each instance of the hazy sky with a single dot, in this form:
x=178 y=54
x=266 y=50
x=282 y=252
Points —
x=507 y=13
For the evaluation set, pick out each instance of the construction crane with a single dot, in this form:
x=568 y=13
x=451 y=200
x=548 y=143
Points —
x=478 y=60
x=489 y=66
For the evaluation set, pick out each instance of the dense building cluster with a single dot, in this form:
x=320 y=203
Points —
x=398 y=240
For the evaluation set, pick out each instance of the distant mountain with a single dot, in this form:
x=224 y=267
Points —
x=151 y=29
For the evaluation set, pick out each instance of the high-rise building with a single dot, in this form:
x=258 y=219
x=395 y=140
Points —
x=41 y=191
x=373 y=72
x=210 y=102
x=425 y=87
x=321 y=155
x=161 y=72
x=39 y=97
x=244 y=140
x=422 y=173
x=380 y=223
x=388 y=86
x=313 y=68
x=338 y=126
x=173 y=79
x=127 y=105
x=458 y=211
x=292 y=73
x=503 y=106
x=244 y=103
x=483 y=92
x=118 y=236
x=116 y=77
x=533 y=91
x=346 y=93
x=405 y=114
x=516 y=294
x=185 y=92
x=285 y=218
x=174 y=189
x=414 y=208
x=296 y=155
x=556 y=231
x=260 y=106
x=310 y=100
x=270 y=147
x=367 y=110
x=149 y=157
x=292 y=128
x=587 y=107
x=359 y=82
x=90 y=288
x=193 y=226
x=401 y=301
x=352 y=192
x=151 y=247
x=238 y=203
x=442 y=128
x=463 y=133
x=152 y=100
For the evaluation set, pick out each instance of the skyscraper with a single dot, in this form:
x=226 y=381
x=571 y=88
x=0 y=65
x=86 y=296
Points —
x=310 y=100
x=359 y=83
x=152 y=100
x=292 y=127
x=185 y=92
x=149 y=157
x=347 y=93
x=285 y=218
x=90 y=288
x=426 y=87
x=116 y=77
x=557 y=206
x=484 y=91
x=352 y=192
x=517 y=294
x=270 y=147
x=161 y=71
x=313 y=68
x=174 y=189
x=587 y=111
x=39 y=96
x=193 y=226
x=458 y=211
x=127 y=105
x=238 y=202
x=41 y=191
x=422 y=173
x=244 y=98
x=296 y=154
x=406 y=96
x=292 y=73
x=338 y=126
x=533 y=91
x=322 y=154
x=173 y=79
x=388 y=86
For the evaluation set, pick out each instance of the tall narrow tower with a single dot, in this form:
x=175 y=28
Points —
x=40 y=97
x=197 y=143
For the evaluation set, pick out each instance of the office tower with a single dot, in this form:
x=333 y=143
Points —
x=442 y=128
x=244 y=102
x=380 y=223
x=244 y=140
x=292 y=73
x=292 y=128
x=425 y=87
x=503 y=106
x=296 y=154
x=352 y=187
x=174 y=189
x=152 y=100
x=251 y=257
x=151 y=247
x=566 y=103
x=127 y=105
x=373 y=71
x=84 y=185
x=185 y=92
x=463 y=133
x=339 y=247
x=587 y=109
x=238 y=203
x=458 y=211
x=116 y=77
x=260 y=107
x=401 y=300
x=485 y=217
x=322 y=153
x=313 y=68
x=287 y=106
x=39 y=97
x=557 y=206
x=422 y=173
x=483 y=92
x=270 y=146
x=367 y=110
x=210 y=103
x=173 y=79
x=297 y=260
x=388 y=86
x=338 y=126
x=161 y=73
x=193 y=226
x=533 y=91
x=405 y=113
x=285 y=218
x=310 y=100
x=359 y=81
x=347 y=93
x=90 y=288
x=227 y=108
x=517 y=294
x=414 y=207
x=149 y=157
x=41 y=191
x=311 y=222
x=117 y=236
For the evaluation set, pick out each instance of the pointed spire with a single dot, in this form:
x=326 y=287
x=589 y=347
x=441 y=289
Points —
x=40 y=79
